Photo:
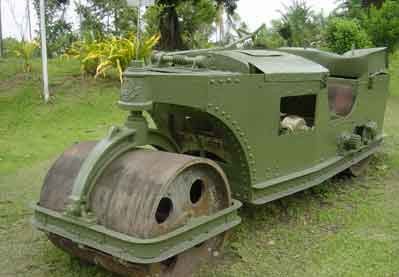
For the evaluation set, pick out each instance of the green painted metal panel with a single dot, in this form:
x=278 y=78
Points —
x=354 y=64
x=135 y=250
x=245 y=103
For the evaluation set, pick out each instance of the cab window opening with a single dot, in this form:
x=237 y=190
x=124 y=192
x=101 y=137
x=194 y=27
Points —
x=297 y=114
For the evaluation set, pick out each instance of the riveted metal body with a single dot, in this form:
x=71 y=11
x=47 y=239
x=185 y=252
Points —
x=231 y=112
x=251 y=125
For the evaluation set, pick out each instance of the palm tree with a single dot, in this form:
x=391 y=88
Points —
x=297 y=23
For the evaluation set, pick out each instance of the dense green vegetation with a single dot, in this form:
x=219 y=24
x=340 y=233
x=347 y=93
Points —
x=105 y=36
x=186 y=24
x=343 y=34
x=344 y=227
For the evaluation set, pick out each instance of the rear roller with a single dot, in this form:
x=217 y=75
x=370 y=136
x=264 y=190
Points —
x=181 y=265
x=143 y=194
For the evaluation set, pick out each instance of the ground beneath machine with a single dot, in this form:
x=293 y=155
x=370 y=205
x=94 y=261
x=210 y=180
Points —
x=290 y=237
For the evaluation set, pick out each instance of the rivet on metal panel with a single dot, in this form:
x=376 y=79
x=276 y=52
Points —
x=237 y=81
x=229 y=80
x=221 y=81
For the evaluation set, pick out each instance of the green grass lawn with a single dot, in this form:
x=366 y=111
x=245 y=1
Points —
x=344 y=227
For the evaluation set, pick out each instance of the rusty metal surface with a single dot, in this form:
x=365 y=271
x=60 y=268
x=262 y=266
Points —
x=128 y=193
x=127 y=198
x=59 y=180
x=183 y=265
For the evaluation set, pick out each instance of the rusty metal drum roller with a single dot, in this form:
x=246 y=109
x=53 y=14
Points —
x=144 y=194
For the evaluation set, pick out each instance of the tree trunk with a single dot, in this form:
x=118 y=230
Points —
x=116 y=21
x=170 y=30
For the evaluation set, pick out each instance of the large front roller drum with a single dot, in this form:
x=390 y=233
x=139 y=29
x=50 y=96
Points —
x=143 y=194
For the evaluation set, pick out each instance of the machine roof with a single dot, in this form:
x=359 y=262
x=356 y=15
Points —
x=274 y=62
x=352 y=64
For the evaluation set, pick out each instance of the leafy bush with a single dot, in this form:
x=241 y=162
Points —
x=383 y=25
x=80 y=50
x=98 y=57
x=342 y=34
x=26 y=51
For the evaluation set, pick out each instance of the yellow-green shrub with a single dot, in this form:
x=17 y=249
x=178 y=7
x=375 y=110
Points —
x=80 y=50
x=26 y=50
x=98 y=57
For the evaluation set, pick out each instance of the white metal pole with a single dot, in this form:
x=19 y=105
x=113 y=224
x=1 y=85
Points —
x=1 y=35
x=29 y=21
x=138 y=30
x=80 y=21
x=46 y=93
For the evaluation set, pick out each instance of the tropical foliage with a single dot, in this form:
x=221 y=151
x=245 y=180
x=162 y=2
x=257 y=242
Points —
x=299 y=24
x=80 y=51
x=26 y=50
x=99 y=57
